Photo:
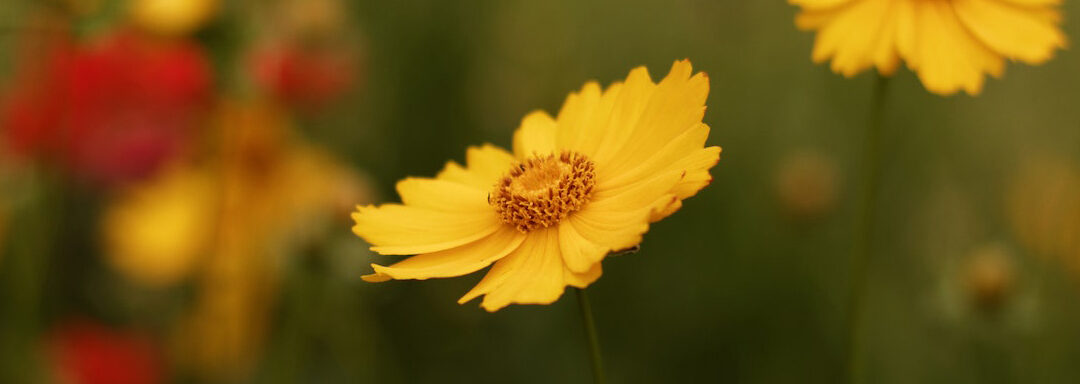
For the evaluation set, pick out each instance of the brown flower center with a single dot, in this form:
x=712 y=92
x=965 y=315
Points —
x=543 y=190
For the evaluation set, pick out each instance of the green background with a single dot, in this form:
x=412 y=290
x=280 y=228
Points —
x=729 y=289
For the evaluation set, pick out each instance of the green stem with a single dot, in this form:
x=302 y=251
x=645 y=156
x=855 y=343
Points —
x=590 y=332
x=864 y=226
x=23 y=276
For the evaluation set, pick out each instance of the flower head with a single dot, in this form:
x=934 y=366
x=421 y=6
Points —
x=172 y=17
x=952 y=44
x=85 y=352
x=576 y=188
x=180 y=202
x=109 y=111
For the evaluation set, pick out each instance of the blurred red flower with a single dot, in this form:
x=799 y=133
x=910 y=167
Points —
x=304 y=78
x=112 y=110
x=83 y=352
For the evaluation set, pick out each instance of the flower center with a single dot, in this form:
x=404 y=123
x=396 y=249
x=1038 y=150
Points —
x=543 y=190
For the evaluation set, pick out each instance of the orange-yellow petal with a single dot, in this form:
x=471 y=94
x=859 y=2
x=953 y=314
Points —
x=614 y=230
x=947 y=56
x=855 y=38
x=1015 y=32
x=667 y=110
x=532 y=274
x=486 y=164
x=395 y=229
x=442 y=195
x=536 y=136
x=582 y=280
x=458 y=261
x=579 y=253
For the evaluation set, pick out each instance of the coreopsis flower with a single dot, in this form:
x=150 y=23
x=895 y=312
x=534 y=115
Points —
x=172 y=17
x=576 y=188
x=182 y=205
x=951 y=44
x=108 y=111
x=275 y=194
x=85 y=352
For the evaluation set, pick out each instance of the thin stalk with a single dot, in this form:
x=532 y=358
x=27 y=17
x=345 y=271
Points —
x=590 y=333
x=866 y=218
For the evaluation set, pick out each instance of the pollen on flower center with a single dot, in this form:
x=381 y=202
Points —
x=543 y=190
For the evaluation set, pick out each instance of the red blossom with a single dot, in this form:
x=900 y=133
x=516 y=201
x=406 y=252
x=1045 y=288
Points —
x=112 y=110
x=304 y=78
x=88 y=353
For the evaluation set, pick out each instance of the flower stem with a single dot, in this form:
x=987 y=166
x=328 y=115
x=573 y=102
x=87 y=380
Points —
x=864 y=226
x=590 y=333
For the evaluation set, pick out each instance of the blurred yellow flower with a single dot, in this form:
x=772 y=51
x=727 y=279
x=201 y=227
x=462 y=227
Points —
x=576 y=188
x=277 y=195
x=950 y=43
x=156 y=232
x=1044 y=208
x=172 y=17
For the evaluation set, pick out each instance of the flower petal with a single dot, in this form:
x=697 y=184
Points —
x=458 y=261
x=856 y=37
x=615 y=230
x=582 y=280
x=442 y=195
x=947 y=57
x=641 y=194
x=535 y=136
x=532 y=274
x=672 y=107
x=697 y=175
x=1015 y=32
x=489 y=163
x=579 y=253
x=395 y=229
x=486 y=165
x=665 y=160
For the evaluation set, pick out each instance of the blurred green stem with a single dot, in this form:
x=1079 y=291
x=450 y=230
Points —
x=866 y=218
x=24 y=281
x=590 y=333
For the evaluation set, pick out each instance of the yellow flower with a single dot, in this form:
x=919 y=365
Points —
x=576 y=188
x=276 y=193
x=156 y=233
x=1043 y=203
x=950 y=43
x=172 y=17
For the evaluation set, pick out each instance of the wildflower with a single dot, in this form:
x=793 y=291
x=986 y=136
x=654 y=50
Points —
x=311 y=57
x=110 y=111
x=307 y=78
x=275 y=194
x=951 y=44
x=181 y=205
x=172 y=17
x=576 y=188
x=85 y=352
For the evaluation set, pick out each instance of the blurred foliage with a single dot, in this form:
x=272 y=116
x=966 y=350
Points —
x=732 y=288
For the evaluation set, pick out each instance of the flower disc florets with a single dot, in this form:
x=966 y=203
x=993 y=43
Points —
x=543 y=190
